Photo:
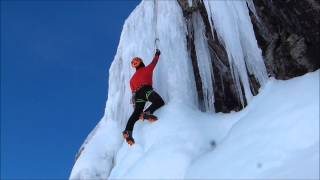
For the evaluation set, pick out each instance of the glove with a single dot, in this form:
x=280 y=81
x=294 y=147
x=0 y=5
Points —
x=158 y=52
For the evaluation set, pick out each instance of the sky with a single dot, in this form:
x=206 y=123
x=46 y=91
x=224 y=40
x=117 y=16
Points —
x=55 y=57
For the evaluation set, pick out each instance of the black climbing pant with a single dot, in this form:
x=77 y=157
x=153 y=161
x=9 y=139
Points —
x=146 y=93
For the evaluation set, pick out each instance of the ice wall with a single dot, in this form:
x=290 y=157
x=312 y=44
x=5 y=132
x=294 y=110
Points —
x=173 y=76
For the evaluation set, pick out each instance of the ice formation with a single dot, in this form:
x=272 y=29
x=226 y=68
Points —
x=104 y=153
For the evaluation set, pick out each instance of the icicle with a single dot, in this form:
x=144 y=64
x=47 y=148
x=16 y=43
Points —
x=208 y=7
x=204 y=62
x=234 y=28
x=252 y=9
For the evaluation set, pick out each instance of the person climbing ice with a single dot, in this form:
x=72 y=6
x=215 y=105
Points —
x=142 y=91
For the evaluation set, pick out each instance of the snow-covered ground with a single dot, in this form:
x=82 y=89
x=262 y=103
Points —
x=276 y=136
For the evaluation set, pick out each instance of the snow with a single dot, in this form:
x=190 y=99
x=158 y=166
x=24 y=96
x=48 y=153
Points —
x=275 y=136
x=171 y=142
x=97 y=152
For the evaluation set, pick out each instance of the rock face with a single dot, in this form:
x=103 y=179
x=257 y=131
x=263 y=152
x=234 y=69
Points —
x=288 y=33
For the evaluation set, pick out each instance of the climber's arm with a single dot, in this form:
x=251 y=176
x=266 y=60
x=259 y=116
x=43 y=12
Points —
x=155 y=60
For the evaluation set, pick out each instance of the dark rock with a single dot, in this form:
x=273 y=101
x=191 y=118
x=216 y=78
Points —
x=289 y=35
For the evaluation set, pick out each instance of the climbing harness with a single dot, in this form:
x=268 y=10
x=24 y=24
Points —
x=148 y=93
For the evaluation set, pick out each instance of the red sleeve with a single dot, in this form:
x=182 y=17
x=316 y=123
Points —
x=154 y=62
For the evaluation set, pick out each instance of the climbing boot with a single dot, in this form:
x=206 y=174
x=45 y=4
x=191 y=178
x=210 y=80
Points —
x=127 y=135
x=148 y=116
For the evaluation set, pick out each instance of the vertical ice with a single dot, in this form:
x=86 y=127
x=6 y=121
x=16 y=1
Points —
x=204 y=62
x=234 y=28
x=173 y=79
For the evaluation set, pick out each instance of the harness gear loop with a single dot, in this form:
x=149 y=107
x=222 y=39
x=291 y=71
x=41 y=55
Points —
x=148 y=94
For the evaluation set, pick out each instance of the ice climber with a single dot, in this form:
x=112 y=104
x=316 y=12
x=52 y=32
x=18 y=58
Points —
x=142 y=91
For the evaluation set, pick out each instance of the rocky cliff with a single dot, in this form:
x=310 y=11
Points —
x=288 y=33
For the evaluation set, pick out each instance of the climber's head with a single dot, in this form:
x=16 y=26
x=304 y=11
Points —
x=137 y=63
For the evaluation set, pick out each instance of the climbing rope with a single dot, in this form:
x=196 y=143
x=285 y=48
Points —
x=155 y=21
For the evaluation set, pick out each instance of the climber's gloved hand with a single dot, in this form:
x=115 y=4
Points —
x=158 y=52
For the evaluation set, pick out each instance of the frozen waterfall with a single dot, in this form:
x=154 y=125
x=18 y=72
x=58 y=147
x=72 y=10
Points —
x=174 y=78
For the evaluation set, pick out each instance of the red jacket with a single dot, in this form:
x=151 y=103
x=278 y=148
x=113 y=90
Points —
x=143 y=76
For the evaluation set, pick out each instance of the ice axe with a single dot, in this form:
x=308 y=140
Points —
x=156 y=43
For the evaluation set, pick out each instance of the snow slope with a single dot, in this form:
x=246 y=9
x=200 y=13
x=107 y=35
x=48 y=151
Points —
x=276 y=136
